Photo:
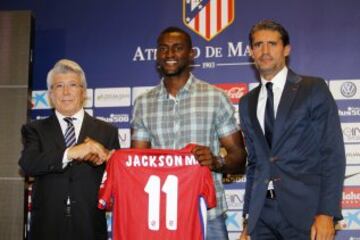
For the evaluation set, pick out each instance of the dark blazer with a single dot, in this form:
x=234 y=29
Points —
x=307 y=159
x=41 y=158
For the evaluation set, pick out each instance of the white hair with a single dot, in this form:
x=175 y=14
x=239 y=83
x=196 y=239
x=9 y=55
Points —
x=66 y=66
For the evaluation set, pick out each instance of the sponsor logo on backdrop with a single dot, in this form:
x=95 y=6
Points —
x=351 y=132
x=345 y=89
x=351 y=219
x=234 y=178
x=208 y=18
x=234 y=220
x=352 y=176
x=234 y=198
x=112 y=97
x=349 y=111
x=351 y=197
x=115 y=118
x=352 y=152
x=40 y=100
x=348 y=89
x=124 y=137
x=137 y=91
x=234 y=90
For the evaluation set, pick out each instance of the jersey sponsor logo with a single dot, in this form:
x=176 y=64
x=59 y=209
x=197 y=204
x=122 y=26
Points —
x=160 y=161
x=208 y=18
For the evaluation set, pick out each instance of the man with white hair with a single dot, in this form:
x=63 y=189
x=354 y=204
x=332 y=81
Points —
x=66 y=155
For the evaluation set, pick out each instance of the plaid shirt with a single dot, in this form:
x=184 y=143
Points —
x=200 y=113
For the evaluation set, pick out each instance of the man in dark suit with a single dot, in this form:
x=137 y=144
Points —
x=296 y=159
x=66 y=154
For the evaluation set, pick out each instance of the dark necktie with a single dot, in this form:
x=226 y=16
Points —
x=269 y=113
x=70 y=138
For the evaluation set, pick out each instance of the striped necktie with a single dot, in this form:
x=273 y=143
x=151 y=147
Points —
x=70 y=138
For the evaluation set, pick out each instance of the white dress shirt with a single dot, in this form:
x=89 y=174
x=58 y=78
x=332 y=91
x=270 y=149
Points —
x=278 y=86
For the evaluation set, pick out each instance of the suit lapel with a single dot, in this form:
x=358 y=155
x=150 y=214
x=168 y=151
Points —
x=286 y=100
x=86 y=127
x=54 y=130
x=253 y=101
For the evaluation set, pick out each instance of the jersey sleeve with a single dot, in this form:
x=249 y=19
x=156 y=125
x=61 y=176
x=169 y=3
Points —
x=106 y=187
x=208 y=188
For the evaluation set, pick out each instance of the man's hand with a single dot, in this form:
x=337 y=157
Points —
x=244 y=234
x=90 y=150
x=205 y=157
x=323 y=228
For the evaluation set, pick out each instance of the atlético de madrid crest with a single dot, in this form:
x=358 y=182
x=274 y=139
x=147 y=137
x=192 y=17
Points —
x=208 y=18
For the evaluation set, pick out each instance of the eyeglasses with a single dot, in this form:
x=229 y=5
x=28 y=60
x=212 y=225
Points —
x=61 y=86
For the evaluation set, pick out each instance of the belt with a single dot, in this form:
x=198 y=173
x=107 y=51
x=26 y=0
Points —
x=270 y=194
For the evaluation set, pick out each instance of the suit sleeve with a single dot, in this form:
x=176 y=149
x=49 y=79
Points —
x=35 y=159
x=251 y=157
x=326 y=119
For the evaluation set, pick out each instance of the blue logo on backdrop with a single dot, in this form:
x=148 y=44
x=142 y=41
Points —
x=231 y=220
x=40 y=99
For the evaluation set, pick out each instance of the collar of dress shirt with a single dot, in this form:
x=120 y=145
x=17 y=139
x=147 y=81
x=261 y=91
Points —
x=77 y=123
x=278 y=80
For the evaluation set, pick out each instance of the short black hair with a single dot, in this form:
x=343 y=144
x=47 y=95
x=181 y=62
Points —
x=172 y=29
x=270 y=25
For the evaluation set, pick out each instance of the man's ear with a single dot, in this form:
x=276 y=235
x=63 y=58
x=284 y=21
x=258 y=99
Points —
x=287 y=50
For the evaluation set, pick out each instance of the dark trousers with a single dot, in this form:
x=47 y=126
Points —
x=272 y=225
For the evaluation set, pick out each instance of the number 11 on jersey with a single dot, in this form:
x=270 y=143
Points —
x=170 y=188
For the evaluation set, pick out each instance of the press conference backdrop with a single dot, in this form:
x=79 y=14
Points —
x=115 y=42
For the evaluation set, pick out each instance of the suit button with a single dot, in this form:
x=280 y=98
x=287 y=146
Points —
x=274 y=159
x=51 y=167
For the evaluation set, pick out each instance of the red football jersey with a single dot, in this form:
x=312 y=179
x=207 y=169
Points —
x=156 y=194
